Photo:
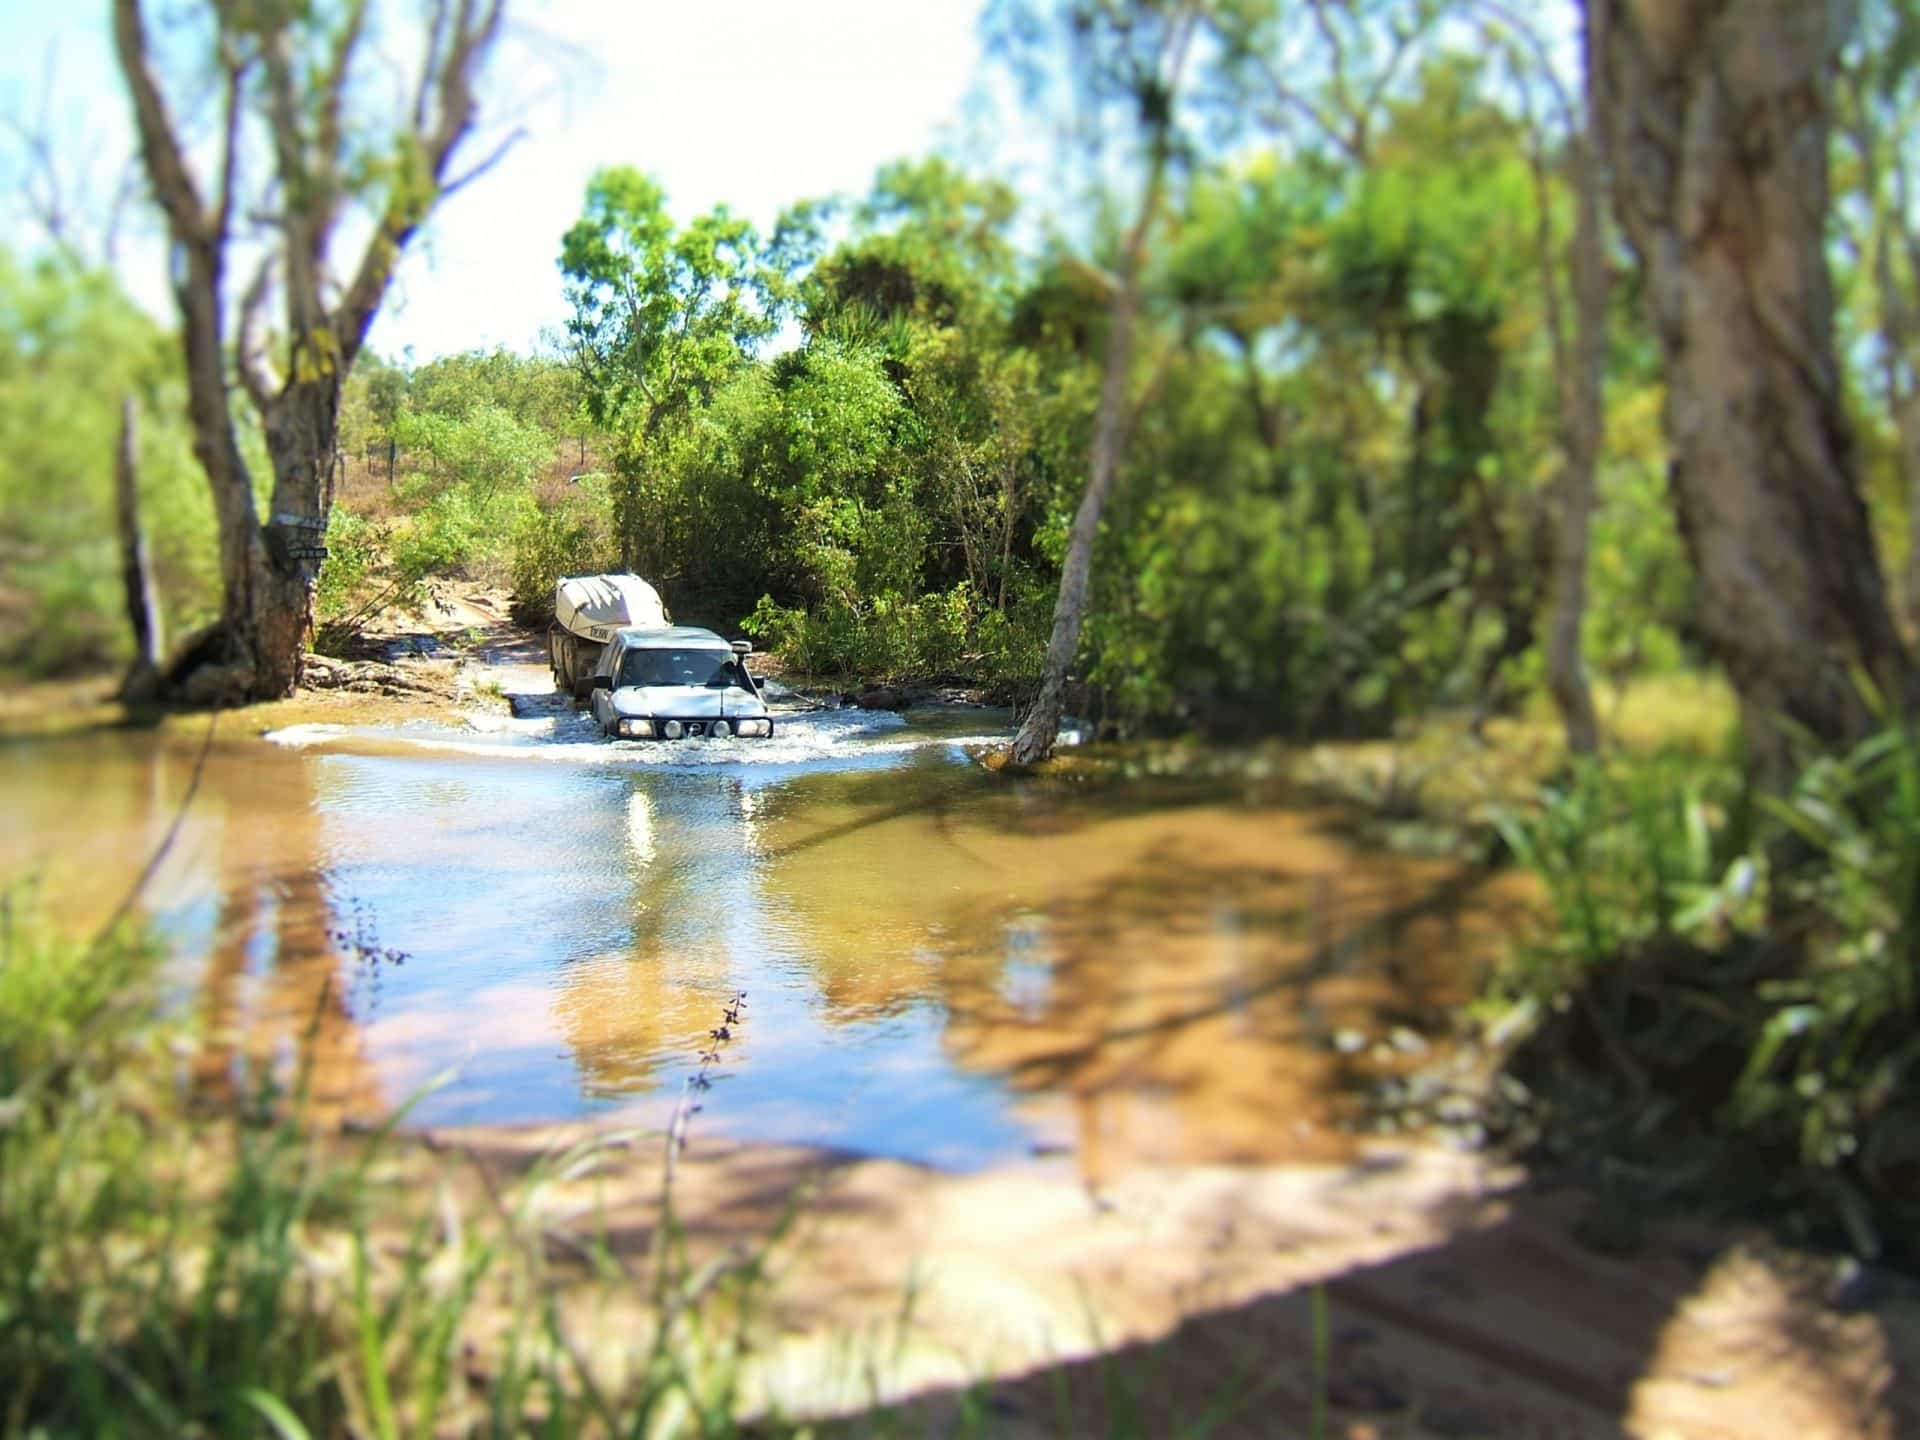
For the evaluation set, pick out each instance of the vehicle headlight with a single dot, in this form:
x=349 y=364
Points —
x=643 y=729
x=673 y=730
x=756 y=727
x=721 y=729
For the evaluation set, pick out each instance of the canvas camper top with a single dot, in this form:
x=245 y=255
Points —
x=595 y=606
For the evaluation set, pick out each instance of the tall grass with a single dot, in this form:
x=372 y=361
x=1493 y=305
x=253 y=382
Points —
x=168 y=1271
x=1652 y=849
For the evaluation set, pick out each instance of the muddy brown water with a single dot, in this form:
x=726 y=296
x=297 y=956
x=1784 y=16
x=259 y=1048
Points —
x=1082 y=1035
x=513 y=921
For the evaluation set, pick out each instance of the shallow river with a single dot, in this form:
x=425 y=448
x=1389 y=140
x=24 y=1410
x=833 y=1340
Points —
x=509 y=920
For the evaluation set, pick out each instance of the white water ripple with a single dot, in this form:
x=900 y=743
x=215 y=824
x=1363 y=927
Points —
x=575 y=739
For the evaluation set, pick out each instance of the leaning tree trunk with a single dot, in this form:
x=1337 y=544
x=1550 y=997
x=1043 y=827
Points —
x=1155 y=98
x=1907 y=418
x=1717 y=116
x=1042 y=724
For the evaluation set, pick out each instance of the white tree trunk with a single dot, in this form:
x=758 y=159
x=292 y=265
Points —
x=1041 y=728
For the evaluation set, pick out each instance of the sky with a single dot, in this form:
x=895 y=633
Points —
x=754 y=103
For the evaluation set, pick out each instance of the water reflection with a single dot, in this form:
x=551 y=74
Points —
x=636 y=1011
x=276 y=997
x=940 y=965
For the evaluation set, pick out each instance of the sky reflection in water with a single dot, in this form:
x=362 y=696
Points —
x=941 y=965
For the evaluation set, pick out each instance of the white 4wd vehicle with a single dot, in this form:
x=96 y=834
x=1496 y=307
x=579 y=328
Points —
x=674 y=682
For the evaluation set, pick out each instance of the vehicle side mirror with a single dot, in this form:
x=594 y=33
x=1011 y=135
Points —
x=743 y=647
x=603 y=682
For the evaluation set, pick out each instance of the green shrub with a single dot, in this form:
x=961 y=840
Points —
x=355 y=549
x=1835 y=1062
x=1738 y=980
x=1647 y=850
x=891 y=637
x=72 y=348
x=551 y=541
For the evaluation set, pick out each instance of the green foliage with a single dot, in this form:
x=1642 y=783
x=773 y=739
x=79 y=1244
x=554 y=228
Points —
x=129 y=1301
x=167 y=1270
x=569 y=536
x=887 y=638
x=1745 y=978
x=71 y=347
x=462 y=531
x=541 y=392
x=370 y=403
x=485 y=449
x=354 y=551
x=476 y=434
x=64 y=1007
x=1837 y=1061
x=1642 y=583
x=662 y=318
x=1648 y=853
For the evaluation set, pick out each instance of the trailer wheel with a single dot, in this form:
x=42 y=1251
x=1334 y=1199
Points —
x=565 y=669
x=578 y=670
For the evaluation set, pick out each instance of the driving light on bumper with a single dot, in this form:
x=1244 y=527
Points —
x=673 y=730
x=640 y=729
x=721 y=729
x=755 y=727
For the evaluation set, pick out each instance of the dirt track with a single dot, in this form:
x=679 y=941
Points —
x=1458 y=1305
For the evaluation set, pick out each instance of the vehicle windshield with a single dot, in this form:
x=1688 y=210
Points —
x=678 y=667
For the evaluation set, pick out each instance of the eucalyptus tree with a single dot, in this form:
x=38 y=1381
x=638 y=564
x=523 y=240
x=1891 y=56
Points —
x=1718 y=117
x=1127 y=61
x=1572 y=124
x=663 y=316
x=301 y=160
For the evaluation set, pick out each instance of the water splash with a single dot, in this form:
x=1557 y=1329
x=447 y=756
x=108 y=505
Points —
x=811 y=738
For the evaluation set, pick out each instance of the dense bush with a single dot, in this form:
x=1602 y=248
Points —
x=892 y=637
x=72 y=347
x=1727 y=987
x=551 y=539
x=355 y=548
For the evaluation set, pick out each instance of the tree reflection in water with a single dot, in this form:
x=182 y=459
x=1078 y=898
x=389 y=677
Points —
x=275 y=995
